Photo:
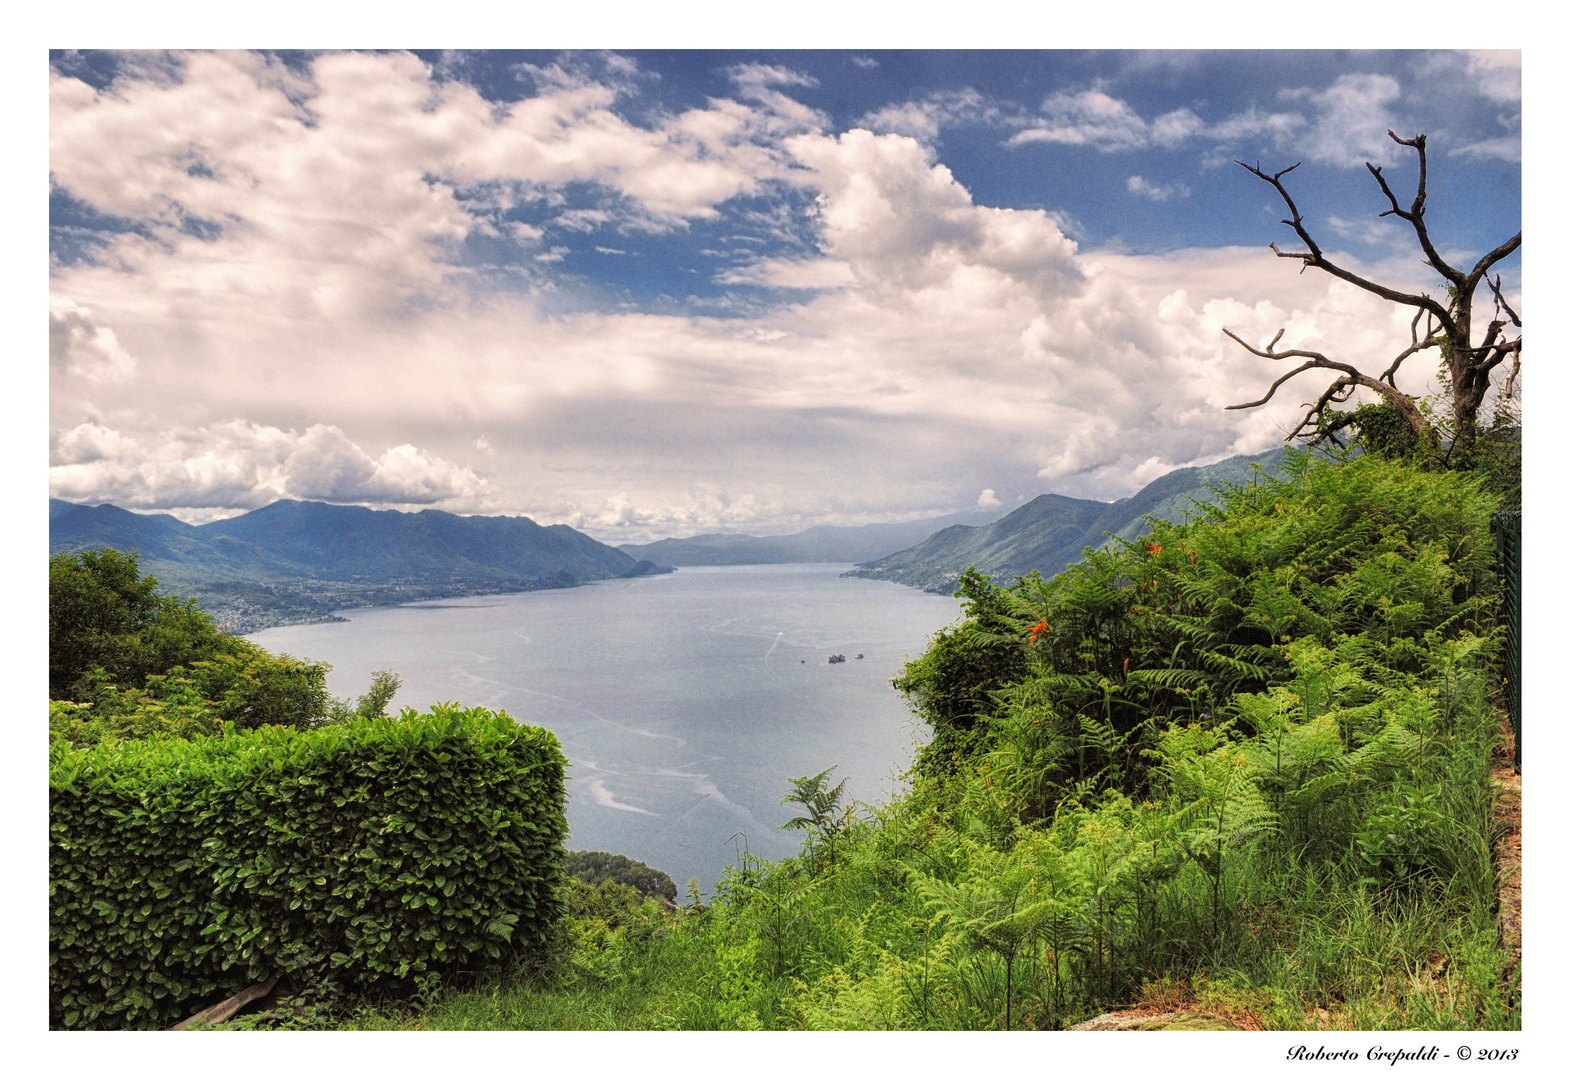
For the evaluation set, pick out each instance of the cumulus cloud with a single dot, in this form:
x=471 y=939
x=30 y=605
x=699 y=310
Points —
x=339 y=188
x=244 y=464
x=987 y=500
x=896 y=219
x=79 y=346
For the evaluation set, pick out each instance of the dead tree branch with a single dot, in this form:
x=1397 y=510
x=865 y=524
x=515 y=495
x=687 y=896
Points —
x=1447 y=326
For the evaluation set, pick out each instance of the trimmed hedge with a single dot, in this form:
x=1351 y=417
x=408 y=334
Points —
x=366 y=853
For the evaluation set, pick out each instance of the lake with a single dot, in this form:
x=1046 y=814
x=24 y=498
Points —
x=682 y=701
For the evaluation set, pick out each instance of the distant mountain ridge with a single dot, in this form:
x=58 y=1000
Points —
x=1050 y=532
x=821 y=543
x=297 y=561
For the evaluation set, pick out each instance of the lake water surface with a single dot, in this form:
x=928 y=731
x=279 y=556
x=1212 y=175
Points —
x=682 y=701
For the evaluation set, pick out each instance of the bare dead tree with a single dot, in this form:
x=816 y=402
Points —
x=1446 y=326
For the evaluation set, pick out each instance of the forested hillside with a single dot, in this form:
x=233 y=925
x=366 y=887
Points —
x=298 y=561
x=1050 y=532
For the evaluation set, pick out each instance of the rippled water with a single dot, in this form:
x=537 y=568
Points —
x=682 y=701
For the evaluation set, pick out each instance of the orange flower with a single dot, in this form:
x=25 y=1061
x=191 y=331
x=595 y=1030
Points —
x=1152 y=549
x=1038 y=630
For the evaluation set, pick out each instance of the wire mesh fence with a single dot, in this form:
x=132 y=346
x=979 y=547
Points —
x=1507 y=527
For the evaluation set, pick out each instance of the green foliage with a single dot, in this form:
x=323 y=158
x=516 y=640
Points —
x=368 y=854
x=1172 y=628
x=104 y=614
x=951 y=686
x=1398 y=837
x=371 y=705
x=821 y=822
x=595 y=867
x=1492 y=448
x=147 y=664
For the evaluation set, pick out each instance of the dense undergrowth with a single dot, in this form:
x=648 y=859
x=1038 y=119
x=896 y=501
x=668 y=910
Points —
x=1242 y=762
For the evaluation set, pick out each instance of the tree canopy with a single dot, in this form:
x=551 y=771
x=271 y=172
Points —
x=133 y=655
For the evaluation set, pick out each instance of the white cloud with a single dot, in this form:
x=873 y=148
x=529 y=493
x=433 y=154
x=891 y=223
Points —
x=1088 y=118
x=338 y=190
x=1498 y=73
x=897 y=220
x=708 y=509
x=783 y=115
x=923 y=119
x=1139 y=185
x=1096 y=118
x=582 y=220
x=987 y=500
x=790 y=274
x=1504 y=147
x=1379 y=231
x=753 y=77
x=1343 y=124
x=243 y=464
x=1351 y=118
x=78 y=346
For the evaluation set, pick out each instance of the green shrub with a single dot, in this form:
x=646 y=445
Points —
x=951 y=686
x=1399 y=836
x=367 y=854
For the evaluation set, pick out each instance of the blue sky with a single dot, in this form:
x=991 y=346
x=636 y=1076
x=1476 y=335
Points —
x=652 y=293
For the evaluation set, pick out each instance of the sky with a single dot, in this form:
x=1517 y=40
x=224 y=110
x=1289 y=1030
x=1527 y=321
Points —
x=654 y=293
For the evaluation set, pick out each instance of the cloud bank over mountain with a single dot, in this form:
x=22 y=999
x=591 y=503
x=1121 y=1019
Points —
x=378 y=278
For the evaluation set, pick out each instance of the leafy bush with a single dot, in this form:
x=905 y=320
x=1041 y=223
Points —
x=368 y=854
x=1399 y=836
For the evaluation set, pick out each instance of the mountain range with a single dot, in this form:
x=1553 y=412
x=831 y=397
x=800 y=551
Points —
x=299 y=561
x=292 y=562
x=1052 y=531
x=822 y=543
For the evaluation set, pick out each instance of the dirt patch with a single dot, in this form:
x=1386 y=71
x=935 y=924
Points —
x=1173 y=1007
x=1508 y=860
x=1167 y=1021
